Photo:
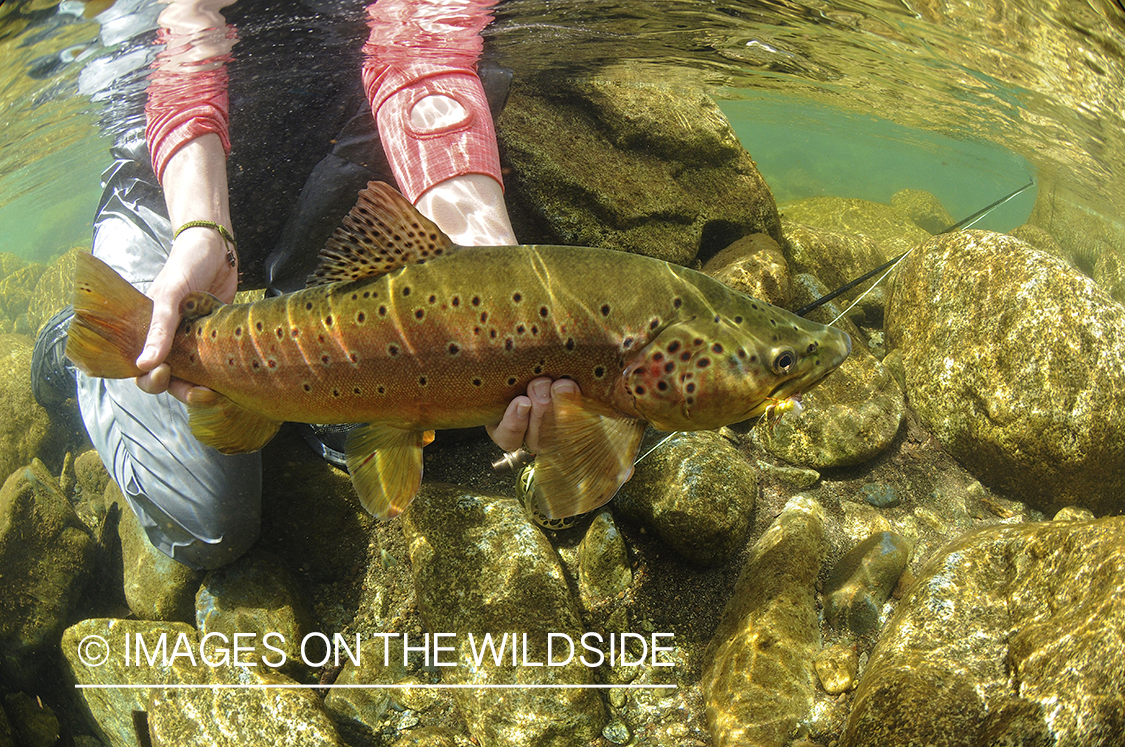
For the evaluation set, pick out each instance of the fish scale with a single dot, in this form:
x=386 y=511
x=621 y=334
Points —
x=446 y=336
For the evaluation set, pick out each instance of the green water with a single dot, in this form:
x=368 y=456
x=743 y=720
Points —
x=804 y=149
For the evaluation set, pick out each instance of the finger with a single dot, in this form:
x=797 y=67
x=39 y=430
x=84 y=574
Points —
x=542 y=392
x=162 y=328
x=508 y=434
x=179 y=389
x=156 y=380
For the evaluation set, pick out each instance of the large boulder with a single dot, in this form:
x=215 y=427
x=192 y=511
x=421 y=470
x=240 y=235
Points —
x=618 y=162
x=1016 y=364
x=1011 y=635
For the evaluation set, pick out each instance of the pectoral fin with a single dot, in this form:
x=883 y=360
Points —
x=586 y=452
x=386 y=466
x=231 y=428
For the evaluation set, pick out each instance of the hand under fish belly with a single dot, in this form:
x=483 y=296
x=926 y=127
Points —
x=405 y=332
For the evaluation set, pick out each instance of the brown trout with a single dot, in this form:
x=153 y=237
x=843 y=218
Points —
x=405 y=332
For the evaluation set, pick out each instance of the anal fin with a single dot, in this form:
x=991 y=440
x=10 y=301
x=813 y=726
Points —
x=386 y=466
x=226 y=426
x=586 y=452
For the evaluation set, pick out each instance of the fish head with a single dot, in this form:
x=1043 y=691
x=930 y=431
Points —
x=704 y=373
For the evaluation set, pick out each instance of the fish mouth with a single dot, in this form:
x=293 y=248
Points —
x=837 y=351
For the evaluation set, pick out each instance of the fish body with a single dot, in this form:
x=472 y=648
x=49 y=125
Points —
x=446 y=337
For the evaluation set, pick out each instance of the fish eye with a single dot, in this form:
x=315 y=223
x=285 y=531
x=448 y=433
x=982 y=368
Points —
x=784 y=361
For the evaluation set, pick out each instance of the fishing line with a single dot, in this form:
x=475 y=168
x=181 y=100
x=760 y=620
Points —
x=893 y=263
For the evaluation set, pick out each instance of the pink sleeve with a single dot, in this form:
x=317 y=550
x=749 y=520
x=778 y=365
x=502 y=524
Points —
x=421 y=48
x=183 y=105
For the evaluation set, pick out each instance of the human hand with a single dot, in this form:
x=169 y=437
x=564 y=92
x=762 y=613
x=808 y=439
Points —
x=198 y=262
x=521 y=421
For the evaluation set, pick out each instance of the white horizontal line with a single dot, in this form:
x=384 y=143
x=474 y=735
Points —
x=371 y=687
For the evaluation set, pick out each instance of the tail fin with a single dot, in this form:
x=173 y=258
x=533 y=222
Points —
x=110 y=324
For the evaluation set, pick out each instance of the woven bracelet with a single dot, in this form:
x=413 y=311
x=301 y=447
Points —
x=232 y=247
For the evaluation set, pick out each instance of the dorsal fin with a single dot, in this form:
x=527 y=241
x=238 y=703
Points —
x=381 y=233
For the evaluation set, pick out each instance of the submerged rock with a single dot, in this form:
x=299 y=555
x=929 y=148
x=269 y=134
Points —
x=603 y=562
x=758 y=677
x=1010 y=635
x=619 y=162
x=893 y=230
x=25 y=427
x=1016 y=363
x=862 y=582
x=833 y=258
x=54 y=288
x=33 y=724
x=924 y=209
x=156 y=587
x=836 y=667
x=480 y=566
x=697 y=492
x=256 y=595
x=756 y=266
x=238 y=717
x=45 y=556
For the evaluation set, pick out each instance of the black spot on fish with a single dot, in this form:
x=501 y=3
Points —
x=662 y=385
x=509 y=343
x=307 y=388
x=308 y=305
x=673 y=346
x=520 y=329
x=356 y=391
x=213 y=334
x=717 y=348
x=199 y=332
x=355 y=296
x=271 y=363
x=381 y=389
x=605 y=309
x=543 y=311
x=703 y=363
x=534 y=329
x=238 y=331
x=638 y=389
x=697 y=341
x=280 y=333
x=483 y=317
x=492 y=333
x=677 y=302
x=335 y=392
x=360 y=318
x=599 y=372
x=742 y=353
x=256 y=364
x=353 y=357
x=570 y=343
x=669 y=367
x=690 y=400
x=456 y=301
x=511 y=380
x=738 y=320
x=328 y=321
x=392 y=350
x=454 y=349
x=517 y=297
x=230 y=361
x=294 y=332
x=367 y=294
x=627 y=342
x=433 y=299
x=537 y=370
x=419 y=314
x=685 y=356
x=422 y=381
x=191 y=358
x=689 y=388
x=475 y=301
x=477 y=382
x=753 y=358
x=258 y=326
x=773 y=322
x=382 y=311
x=406 y=291
x=658 y=356
x=754 y=306
x=716 y=319
x=476 y=330
x=325 y=359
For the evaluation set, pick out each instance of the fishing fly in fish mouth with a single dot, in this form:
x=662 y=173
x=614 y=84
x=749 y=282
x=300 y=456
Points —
x=404 y=332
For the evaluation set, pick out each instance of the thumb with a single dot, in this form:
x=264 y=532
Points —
x=161 y=330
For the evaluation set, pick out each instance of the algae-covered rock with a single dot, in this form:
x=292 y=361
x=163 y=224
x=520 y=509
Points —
x=893 y=230
x=360 y=710
x=480 y=566
x=924 y=209
x=1017 y=368
x=833 y=257
x=603 y=562
x=618 y=162
x=33 y=724
x=758 y=674
x=756 y=266
x=862 y=581
x=697 y=492
x=241 y=716
x=156 y=587
x=45 y=554
x=54 y=289
x=25 y=427
x=255 y=594
x=17 y=291
x=94 y=652
x=428 y=736
x=836 y=667
x=1010 y=635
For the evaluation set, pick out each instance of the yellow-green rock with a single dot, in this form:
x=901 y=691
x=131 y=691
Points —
x=758 y=674
x=25 y=427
